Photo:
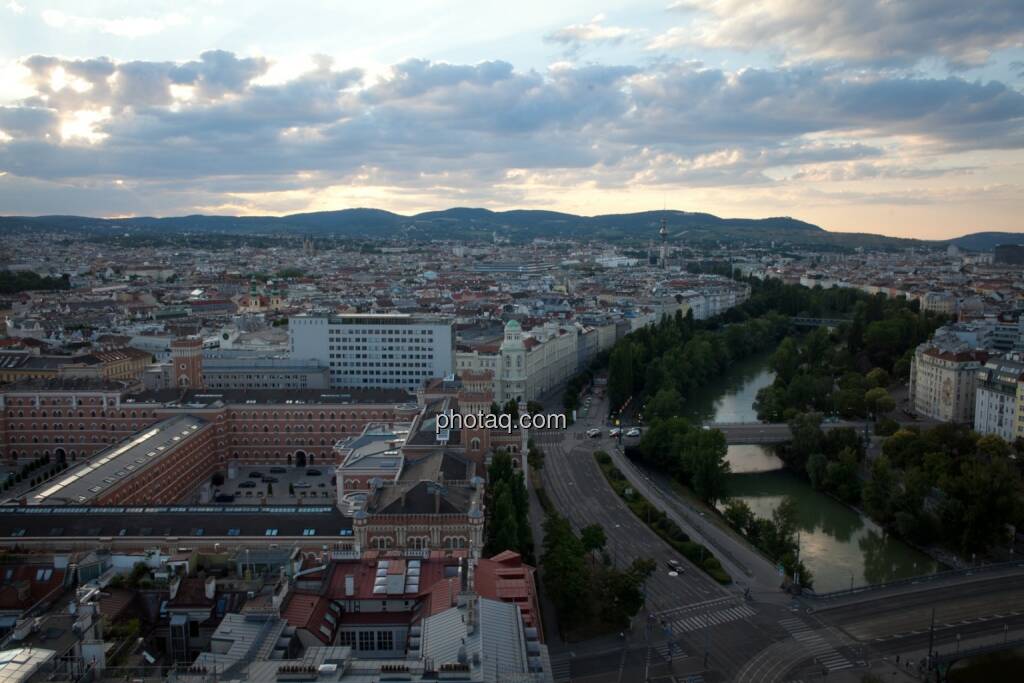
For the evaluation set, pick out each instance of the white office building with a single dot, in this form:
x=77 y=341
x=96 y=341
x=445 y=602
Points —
x=393 y=351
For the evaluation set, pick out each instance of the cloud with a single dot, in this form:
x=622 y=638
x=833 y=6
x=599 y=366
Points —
x=594 y=32
x=208 y=132
x=962 y=34
x=15 y=7
x=123 y=27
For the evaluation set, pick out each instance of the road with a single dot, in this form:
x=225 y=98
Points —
x=691 y=609
x=771 y=638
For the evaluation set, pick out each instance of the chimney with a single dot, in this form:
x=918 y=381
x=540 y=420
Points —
x=210 y=587
x=437 y=500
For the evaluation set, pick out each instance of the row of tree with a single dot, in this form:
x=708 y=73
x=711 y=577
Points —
x=777 y=536
x=12 y=282
x=508 y=509
x=582 y=582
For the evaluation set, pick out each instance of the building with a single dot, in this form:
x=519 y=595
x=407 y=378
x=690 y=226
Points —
x=525 y=365
x=370 y=350
x=996 y=403
x=234 y=373
x=187 y=363
x=74 y=419
x=1009 y=254
x=943 y=377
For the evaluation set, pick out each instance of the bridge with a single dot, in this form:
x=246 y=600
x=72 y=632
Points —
x=765 y=433
x=818 y=322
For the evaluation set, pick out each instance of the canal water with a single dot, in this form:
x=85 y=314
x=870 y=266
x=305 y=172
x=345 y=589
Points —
x=837 y=544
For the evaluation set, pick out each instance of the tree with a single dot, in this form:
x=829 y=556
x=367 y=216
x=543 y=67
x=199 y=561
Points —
x=217 y=479
x=807 y=438
x=511 y=407
x=664 y=404
x=879 y=491
x=739 y=515
x=878 y=378
x=706 y=465
x=504 y=528
x=534 y=407
x=593 y=537
x=817 y=469
x=564 y=569
x=878 y=401
x=620 y=374
x=786 y=360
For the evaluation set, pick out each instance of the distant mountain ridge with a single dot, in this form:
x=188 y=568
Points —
x=518 y=225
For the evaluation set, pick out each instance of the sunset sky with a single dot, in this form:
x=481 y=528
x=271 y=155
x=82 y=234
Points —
x=903 y=118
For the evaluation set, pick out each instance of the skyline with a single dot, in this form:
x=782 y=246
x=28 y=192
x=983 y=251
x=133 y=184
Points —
x=899 y=120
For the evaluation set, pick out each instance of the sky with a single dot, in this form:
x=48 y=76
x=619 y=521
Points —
x=895 y=117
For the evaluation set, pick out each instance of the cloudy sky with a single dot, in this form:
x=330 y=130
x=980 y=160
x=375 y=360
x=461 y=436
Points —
x=899 y=117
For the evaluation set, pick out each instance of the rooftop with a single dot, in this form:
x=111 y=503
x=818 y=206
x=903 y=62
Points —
x=118 y=463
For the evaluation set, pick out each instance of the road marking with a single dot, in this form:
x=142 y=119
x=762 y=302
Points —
x=717 y=618
x=816 y=645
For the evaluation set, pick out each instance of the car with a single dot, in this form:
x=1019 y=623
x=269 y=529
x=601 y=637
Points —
x=594 y=433
x=635 y=431
x=321 y=485
x=675 y=566
x=313 y=473
x=302 y=485
x=224 y=498
x=278 y=470
x=614 y=432
x=255 y=475
x=270 y=480
x=247 y=485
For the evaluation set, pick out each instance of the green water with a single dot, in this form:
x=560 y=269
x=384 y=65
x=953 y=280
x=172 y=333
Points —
x=731 y=398
x=837 y=544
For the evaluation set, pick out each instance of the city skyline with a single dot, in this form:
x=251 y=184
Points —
x=902 y=120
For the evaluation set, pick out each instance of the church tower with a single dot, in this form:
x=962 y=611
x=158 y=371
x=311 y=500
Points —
x=187 y=363
x=512 y=373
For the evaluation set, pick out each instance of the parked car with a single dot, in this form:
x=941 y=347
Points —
x=614 y=432
x=635 y=431
x=278 y=470
x=255 y=475
x=224 y=498
x=313 y=473
x=270 y=480
x=594 y=433
x=302 y=485
x=247 y=485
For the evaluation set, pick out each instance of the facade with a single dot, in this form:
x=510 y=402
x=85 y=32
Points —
x=187 y=363
x=943 y=378
x=525 y=366
x=74 y=419
x=996 y=403
x=364 y=350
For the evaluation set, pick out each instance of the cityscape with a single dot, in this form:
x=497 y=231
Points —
x=368 y=367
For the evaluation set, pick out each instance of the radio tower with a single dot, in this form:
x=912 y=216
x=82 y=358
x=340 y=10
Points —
x=663 y=257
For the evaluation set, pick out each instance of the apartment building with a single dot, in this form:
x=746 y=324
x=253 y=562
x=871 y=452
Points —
x=996 y=403
x=943 y=379
x=375 y=350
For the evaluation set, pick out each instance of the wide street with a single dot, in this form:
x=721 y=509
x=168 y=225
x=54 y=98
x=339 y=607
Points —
x=770 y=637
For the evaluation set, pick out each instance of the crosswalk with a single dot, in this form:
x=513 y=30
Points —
x=694 y=607
x=666 y=653
x=812 y=641
x=561 y=667
x=711 y=618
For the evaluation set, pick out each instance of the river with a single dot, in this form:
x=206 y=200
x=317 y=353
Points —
x=837 y=544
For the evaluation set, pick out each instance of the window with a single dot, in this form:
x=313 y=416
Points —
x=366 y=640
x=271 y=532
x=385 y=640
x=234 y=532
x=309 y=532
x=347 y=639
